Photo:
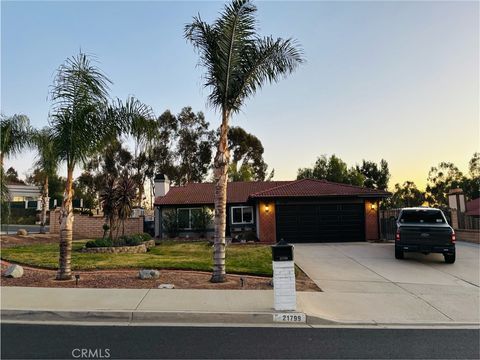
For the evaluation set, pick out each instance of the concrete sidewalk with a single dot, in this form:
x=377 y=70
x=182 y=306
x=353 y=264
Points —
x=215 y=306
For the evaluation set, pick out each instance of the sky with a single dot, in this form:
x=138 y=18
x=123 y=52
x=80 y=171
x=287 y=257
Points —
x=391 y=80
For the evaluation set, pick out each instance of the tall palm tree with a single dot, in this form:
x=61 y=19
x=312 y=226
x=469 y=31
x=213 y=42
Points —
x=47 y=163
x=81 y=124
x=238 y=63
x=15 y=135
x=125 y=194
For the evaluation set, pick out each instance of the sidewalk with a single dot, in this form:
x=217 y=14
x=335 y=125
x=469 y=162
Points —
x=214 y=306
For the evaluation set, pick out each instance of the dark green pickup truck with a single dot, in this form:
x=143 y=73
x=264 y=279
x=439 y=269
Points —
x=424 y=230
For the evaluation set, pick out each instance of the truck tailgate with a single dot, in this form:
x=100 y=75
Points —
x=425 y=235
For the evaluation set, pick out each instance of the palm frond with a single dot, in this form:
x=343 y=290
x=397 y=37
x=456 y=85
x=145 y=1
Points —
x=15 y=134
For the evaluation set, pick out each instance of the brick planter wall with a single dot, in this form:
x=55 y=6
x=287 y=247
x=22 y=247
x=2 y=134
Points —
x=92 y=226
x=117 y=250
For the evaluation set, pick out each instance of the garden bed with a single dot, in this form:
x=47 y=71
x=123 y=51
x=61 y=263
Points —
x=135 y=249
x=128 y=279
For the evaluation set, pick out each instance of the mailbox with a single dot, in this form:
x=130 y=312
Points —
x=282 y=251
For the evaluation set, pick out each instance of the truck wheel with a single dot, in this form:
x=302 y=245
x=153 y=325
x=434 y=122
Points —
x=398 y=254
x=449 y=258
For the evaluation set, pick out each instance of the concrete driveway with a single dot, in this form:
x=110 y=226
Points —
x=364 y=282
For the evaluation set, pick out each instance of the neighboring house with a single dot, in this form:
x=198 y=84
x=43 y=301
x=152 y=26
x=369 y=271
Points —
x=473 y=207
x=297 y=211
x=24 y=192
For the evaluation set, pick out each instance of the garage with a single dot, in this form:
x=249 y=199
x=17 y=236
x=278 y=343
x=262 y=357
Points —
x=313 y=223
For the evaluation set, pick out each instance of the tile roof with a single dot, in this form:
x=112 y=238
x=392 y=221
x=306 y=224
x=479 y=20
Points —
x=316 y=188
x=204 y=193
x=240 y=192
x=473 y=207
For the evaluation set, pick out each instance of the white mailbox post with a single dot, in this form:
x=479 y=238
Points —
x=285 y=297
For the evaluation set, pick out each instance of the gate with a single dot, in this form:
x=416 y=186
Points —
x=388 y=223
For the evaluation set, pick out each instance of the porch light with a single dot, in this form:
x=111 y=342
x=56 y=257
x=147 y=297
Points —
x=374 y=206
x=267 y=209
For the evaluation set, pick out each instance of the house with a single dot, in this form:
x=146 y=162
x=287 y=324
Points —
x=297 y=211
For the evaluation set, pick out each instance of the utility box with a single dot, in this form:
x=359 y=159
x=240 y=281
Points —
x=285 y=297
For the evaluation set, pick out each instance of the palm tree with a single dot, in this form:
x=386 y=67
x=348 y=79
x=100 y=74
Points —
x=125 y=194
x=47 y=163
x=238 y=63
x=81 y=123
x=15 y=135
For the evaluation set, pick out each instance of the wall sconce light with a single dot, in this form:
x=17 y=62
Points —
x=374 y=206
x=267 y=209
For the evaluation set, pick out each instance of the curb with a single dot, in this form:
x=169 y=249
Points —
x=146 y=317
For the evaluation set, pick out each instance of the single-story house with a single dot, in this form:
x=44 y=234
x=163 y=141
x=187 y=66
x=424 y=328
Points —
x=297 y=211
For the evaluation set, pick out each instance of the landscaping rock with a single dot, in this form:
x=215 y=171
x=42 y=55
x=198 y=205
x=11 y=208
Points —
x=166 y=286
x=148 y=274
x=14 y=271
x=23 y=232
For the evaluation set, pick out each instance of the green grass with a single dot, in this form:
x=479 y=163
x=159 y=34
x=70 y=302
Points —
x=241 y=259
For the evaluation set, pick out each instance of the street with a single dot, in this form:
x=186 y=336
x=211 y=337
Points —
x=13 y=228
x=72 y=341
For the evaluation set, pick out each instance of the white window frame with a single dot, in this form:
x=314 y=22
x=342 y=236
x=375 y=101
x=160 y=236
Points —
x=189 y=217
x=242 y=222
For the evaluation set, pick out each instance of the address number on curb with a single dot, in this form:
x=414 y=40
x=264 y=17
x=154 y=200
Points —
x=290 y=317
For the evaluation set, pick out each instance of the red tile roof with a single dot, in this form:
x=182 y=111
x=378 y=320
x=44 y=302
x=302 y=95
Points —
x=204 y=193
x=473 y=207
x=240 y=192
x=316 y=188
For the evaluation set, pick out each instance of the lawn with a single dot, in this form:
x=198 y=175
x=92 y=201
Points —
x=240 y=259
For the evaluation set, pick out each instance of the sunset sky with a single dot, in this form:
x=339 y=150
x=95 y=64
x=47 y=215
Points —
x=392 y=80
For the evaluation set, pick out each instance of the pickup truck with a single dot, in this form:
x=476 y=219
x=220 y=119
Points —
x=424 y=230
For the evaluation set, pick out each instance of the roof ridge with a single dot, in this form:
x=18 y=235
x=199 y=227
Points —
x=278 y=186
x=343 y=184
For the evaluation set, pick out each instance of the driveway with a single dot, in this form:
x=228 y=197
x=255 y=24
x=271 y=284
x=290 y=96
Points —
x=364 y=282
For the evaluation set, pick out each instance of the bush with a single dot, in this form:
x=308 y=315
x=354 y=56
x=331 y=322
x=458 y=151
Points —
x=246 y=236
x=127 y=240
x=170 y=223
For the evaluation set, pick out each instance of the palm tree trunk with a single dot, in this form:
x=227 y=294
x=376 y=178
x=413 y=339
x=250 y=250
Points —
x=220 y=171
x=66 y=231
x=44 y=206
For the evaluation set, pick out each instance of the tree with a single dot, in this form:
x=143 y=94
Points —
x=15 y=135
x=441 y=179
x=194 y=147
x=125 y=194
x=406 y=195
x=82 y=123
x=376 y=176
x=471 y=185
x=332 y=169
x=56 y=184
x=107 y=200
x=238 y=63
x=11 y=177
x=247 y=150
x=47 y=164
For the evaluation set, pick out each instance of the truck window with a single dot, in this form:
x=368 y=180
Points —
x=422 y=217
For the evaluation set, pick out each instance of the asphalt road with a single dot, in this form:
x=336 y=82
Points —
x=148 y=342
x=12 y=228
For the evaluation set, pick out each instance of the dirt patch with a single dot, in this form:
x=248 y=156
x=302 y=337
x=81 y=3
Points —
x=128 y=279
x=31 y=239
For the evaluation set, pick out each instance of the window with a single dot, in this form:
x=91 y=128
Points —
x=422 y=216
x=242 y=215
x=184 y=217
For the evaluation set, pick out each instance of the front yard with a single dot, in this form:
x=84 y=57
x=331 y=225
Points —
x=240 y=259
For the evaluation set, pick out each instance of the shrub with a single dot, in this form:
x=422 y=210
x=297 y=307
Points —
x=246 y=236
x=201 y=220
x=127 y=240
x=170 y=223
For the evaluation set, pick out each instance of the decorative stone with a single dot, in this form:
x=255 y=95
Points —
x=14 y=271
x=22 y=232
x=148 y=274
x=138 y=249
x=166 y=286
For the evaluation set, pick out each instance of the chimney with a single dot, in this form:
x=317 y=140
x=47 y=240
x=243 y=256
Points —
x=162 y=185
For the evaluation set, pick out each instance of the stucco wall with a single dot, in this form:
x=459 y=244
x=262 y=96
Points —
x=92 y=226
